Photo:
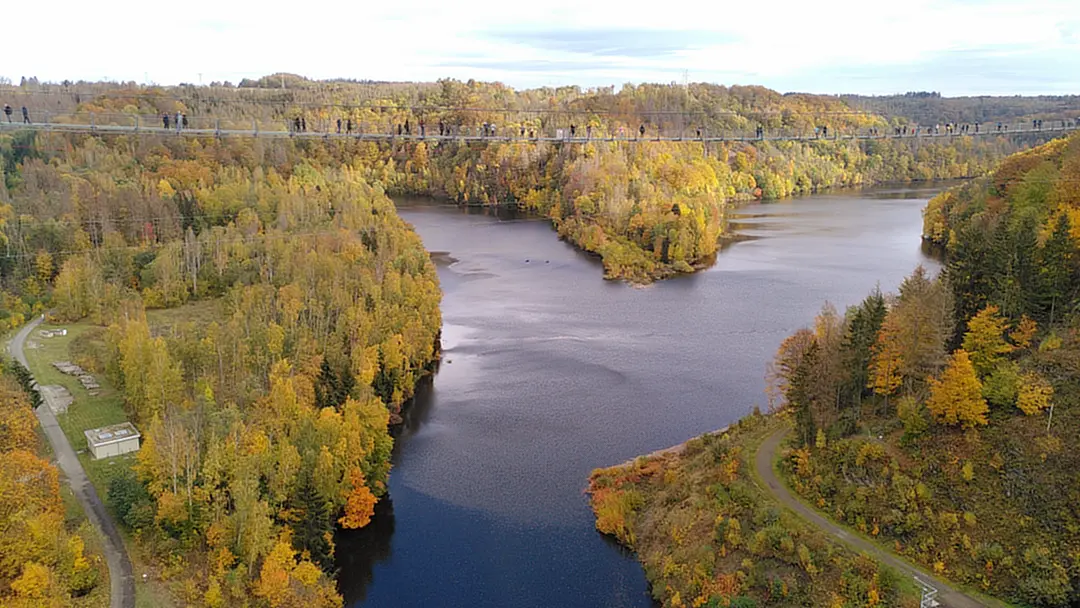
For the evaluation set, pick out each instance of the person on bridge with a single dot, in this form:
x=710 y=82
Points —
x=179 y=123
x=588 y=131
x=25 y=115
x=348 y=126
x=641 y=130
x=339 y=126
x=165 y=119
x=442 y=128
x=7 y=111
x=303 y=124
x=573 y=131
x=825 y=131
x=296 y=124
x=408 y=128
x=184 y=120
x=423 y=128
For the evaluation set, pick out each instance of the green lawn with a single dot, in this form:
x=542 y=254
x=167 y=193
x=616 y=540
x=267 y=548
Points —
x=87 y=411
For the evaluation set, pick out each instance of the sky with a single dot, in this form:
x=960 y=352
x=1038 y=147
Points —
x=956 y=47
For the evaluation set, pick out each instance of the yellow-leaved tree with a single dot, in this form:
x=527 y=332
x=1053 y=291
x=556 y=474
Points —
x=956 y=397
x=985 y=339
x=886 y=360
x=1035 y=393
x=287 y=579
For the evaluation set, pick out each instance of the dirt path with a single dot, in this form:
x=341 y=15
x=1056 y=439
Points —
x=763 y=463
x=122 y=583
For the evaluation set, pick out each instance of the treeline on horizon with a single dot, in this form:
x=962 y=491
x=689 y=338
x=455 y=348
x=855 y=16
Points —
x=648 y=211
x=306 y=312
x=971 y=381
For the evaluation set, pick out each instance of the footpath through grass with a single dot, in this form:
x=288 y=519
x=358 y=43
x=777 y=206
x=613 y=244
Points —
x=90 y=412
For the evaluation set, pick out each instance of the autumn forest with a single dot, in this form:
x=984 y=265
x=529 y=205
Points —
x=258 y=309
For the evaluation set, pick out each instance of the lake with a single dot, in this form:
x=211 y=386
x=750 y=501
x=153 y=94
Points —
x=549 y=371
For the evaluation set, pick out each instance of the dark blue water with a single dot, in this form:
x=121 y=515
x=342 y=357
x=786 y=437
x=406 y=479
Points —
x=549 y=372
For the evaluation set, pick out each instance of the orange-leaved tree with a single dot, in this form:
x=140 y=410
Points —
x=360 y=504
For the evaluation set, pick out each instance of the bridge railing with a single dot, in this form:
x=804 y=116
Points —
x=372 y=129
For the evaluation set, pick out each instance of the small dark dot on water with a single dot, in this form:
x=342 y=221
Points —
x=526 y=260
x=547 y=261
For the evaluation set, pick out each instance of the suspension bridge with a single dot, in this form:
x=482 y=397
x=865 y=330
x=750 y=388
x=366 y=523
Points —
x=125 y=124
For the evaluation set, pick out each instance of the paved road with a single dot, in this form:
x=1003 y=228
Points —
x=763 y=461
x=122 y=583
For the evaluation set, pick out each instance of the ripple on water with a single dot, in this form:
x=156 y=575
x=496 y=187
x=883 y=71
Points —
x=549 y=371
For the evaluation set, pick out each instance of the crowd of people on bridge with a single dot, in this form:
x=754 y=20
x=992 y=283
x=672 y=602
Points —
x=181 y=121
x=346 y=126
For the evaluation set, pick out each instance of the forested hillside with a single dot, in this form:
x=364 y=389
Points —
x=931 y=108
x=45 y=558
x=708 y=535
x=264 y=409
x=648 y=210
x=943 y=420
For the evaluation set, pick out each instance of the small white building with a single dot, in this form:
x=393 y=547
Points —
x=112 y=440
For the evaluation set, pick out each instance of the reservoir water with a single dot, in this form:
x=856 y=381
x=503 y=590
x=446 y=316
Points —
x=549 y=371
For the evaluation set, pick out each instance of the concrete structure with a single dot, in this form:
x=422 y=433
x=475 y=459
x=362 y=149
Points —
x=56 y=397
x=112 y=440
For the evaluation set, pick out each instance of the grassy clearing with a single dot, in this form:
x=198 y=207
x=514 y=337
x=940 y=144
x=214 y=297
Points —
x=93 y=411
x=201 y=313
x=150 y=590
x=88 y=411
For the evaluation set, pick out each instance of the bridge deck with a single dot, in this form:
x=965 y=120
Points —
x=136 y=129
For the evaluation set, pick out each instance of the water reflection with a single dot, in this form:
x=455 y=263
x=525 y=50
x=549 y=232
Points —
x=549 y=372
x=357 y=551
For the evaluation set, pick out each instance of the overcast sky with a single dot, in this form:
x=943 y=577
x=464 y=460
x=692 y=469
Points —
x=957 y=47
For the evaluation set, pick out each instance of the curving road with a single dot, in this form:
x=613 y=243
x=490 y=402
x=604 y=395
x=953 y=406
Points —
x=122 y=582
x=763 y=463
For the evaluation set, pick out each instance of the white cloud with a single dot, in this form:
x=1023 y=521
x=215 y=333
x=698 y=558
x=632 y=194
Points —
x=831 y=46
